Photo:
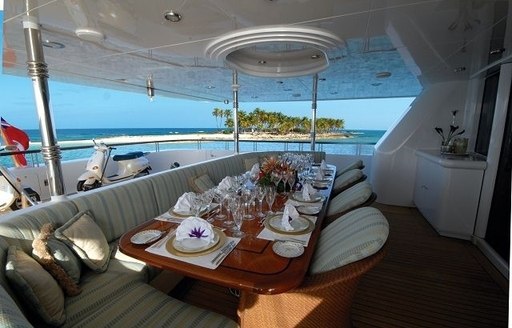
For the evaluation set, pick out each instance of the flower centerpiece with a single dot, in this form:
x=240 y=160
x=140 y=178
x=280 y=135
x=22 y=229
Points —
x=446 y=141
x=273 y=171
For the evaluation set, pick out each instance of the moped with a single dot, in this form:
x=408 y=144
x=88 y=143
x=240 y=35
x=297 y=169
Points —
x=129 y=166
x=13 y=195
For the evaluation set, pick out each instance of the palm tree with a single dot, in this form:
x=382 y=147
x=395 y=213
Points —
x=217 y=113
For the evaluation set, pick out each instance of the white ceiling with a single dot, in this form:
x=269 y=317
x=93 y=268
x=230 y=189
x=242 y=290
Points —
x=418 y=42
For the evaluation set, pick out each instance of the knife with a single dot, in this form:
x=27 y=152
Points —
x=224 y=252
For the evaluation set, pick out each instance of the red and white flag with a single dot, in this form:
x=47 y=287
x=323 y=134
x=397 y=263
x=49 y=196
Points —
x=15 y=139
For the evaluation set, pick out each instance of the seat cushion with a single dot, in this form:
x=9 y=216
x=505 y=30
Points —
x=10 y=314
x=358 y=164
x=346 y=179
x=352 y=197
x=35 y=286
x=352 y=237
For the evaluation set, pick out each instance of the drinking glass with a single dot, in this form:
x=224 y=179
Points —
x=247 y=198
x=260 y=194
x=238 y=216
x=219 y=196
x=270 y=197
x=233 y=205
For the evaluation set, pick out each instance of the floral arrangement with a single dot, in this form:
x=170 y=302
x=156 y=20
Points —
x=272 y=170
x=445 y=141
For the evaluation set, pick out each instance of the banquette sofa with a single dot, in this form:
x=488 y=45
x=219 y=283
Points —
x=115 y=289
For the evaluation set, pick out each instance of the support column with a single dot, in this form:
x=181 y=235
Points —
x=313 y=112
x=236 y=136
x=38 y=72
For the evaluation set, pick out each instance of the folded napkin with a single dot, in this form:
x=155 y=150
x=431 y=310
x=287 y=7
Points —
x=184 y=203
x=308 y=191
x=289 y=214
x=319 y=175
x=193 y=227
x=255 y=170
x=323 y=165
x=228 y=183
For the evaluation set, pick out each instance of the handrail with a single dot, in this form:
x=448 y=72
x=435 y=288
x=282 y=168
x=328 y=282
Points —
x=199 y=141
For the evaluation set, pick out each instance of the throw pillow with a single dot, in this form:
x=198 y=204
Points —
x=42 y=254
x=201 y=183
x=85 y=237
x=35 y=286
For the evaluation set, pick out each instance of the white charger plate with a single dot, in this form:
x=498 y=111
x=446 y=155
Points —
x=309 y=210
x=300 y=226
x=288 y=249
x=146 y=237
x=314 y=198
x=194 y=245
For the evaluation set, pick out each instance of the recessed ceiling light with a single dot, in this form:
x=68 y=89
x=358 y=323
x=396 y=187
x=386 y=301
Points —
x=315 y=56
x=262 y=62
x=210 y=87
x=279 y=82
x=322 y=79
x=459 y=69
x=172 y=16
x=53 y=44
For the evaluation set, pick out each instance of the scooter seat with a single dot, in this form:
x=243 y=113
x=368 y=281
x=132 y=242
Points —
x=127 y=156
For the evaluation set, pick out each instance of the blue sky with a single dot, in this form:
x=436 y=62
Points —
x=76 y=106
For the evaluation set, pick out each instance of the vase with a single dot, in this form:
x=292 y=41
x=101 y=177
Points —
x=446 y=149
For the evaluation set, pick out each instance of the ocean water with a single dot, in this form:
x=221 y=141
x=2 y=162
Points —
x=361 y=142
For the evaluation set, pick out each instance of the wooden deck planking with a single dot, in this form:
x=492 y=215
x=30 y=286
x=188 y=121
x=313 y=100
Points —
x=424 y=281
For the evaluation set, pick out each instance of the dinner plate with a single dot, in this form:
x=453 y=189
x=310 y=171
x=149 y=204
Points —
x=314 y=198
x=300 y=225
x=185 y=214
x=195 y=245
x=146 y=237
x=288 y=249
x=309 y=210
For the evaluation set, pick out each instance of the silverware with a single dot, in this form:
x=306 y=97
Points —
x=224 y=252
x=164 y=239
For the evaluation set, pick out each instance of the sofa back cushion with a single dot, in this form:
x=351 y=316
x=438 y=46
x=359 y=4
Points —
x=10 y=314
x=120 y=207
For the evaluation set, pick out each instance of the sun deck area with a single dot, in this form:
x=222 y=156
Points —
x=425 y=280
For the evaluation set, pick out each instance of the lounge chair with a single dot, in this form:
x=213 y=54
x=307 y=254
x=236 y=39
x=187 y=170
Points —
x=350 y=247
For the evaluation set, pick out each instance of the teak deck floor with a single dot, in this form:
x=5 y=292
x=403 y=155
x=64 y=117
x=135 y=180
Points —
x=425 y=280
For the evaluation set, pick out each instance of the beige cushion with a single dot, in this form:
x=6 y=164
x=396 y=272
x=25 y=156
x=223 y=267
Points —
x=358 y=164
x=347 y=178
x=249 y=162
x=85 y=237
x=352 y=237
x=35 y=286
x=352 y=197
x=201 y=183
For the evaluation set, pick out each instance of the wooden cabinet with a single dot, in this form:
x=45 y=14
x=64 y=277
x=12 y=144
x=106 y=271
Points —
x=447 y=191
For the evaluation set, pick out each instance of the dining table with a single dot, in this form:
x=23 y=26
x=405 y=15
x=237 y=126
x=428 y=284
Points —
x=252 y=265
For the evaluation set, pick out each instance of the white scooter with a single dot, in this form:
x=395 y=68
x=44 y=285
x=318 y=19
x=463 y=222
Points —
x=13 y=195
x=129 y=166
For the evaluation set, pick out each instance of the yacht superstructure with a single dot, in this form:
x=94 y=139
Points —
x=451 y=55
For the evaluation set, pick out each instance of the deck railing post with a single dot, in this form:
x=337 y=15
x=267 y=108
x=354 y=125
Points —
x=313 y=112
x=38 y=72
x=236 y=136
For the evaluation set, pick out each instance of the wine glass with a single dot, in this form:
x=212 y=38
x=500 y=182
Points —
x=238 y=216
x=260 y=194
x=247 y=198
x=233 y=205
x=270 y=197
x=219 y=196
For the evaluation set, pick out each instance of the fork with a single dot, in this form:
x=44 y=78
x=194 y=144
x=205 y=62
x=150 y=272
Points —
x=224 y=250
x=164 y=239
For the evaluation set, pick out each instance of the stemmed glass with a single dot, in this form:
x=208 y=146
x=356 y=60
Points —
x=207 y=201
x=233 y=205
x=219 y=196
x=270 y=197
x=196 y=204
x=247 y=198
x=260 y=194
x=238 y=216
